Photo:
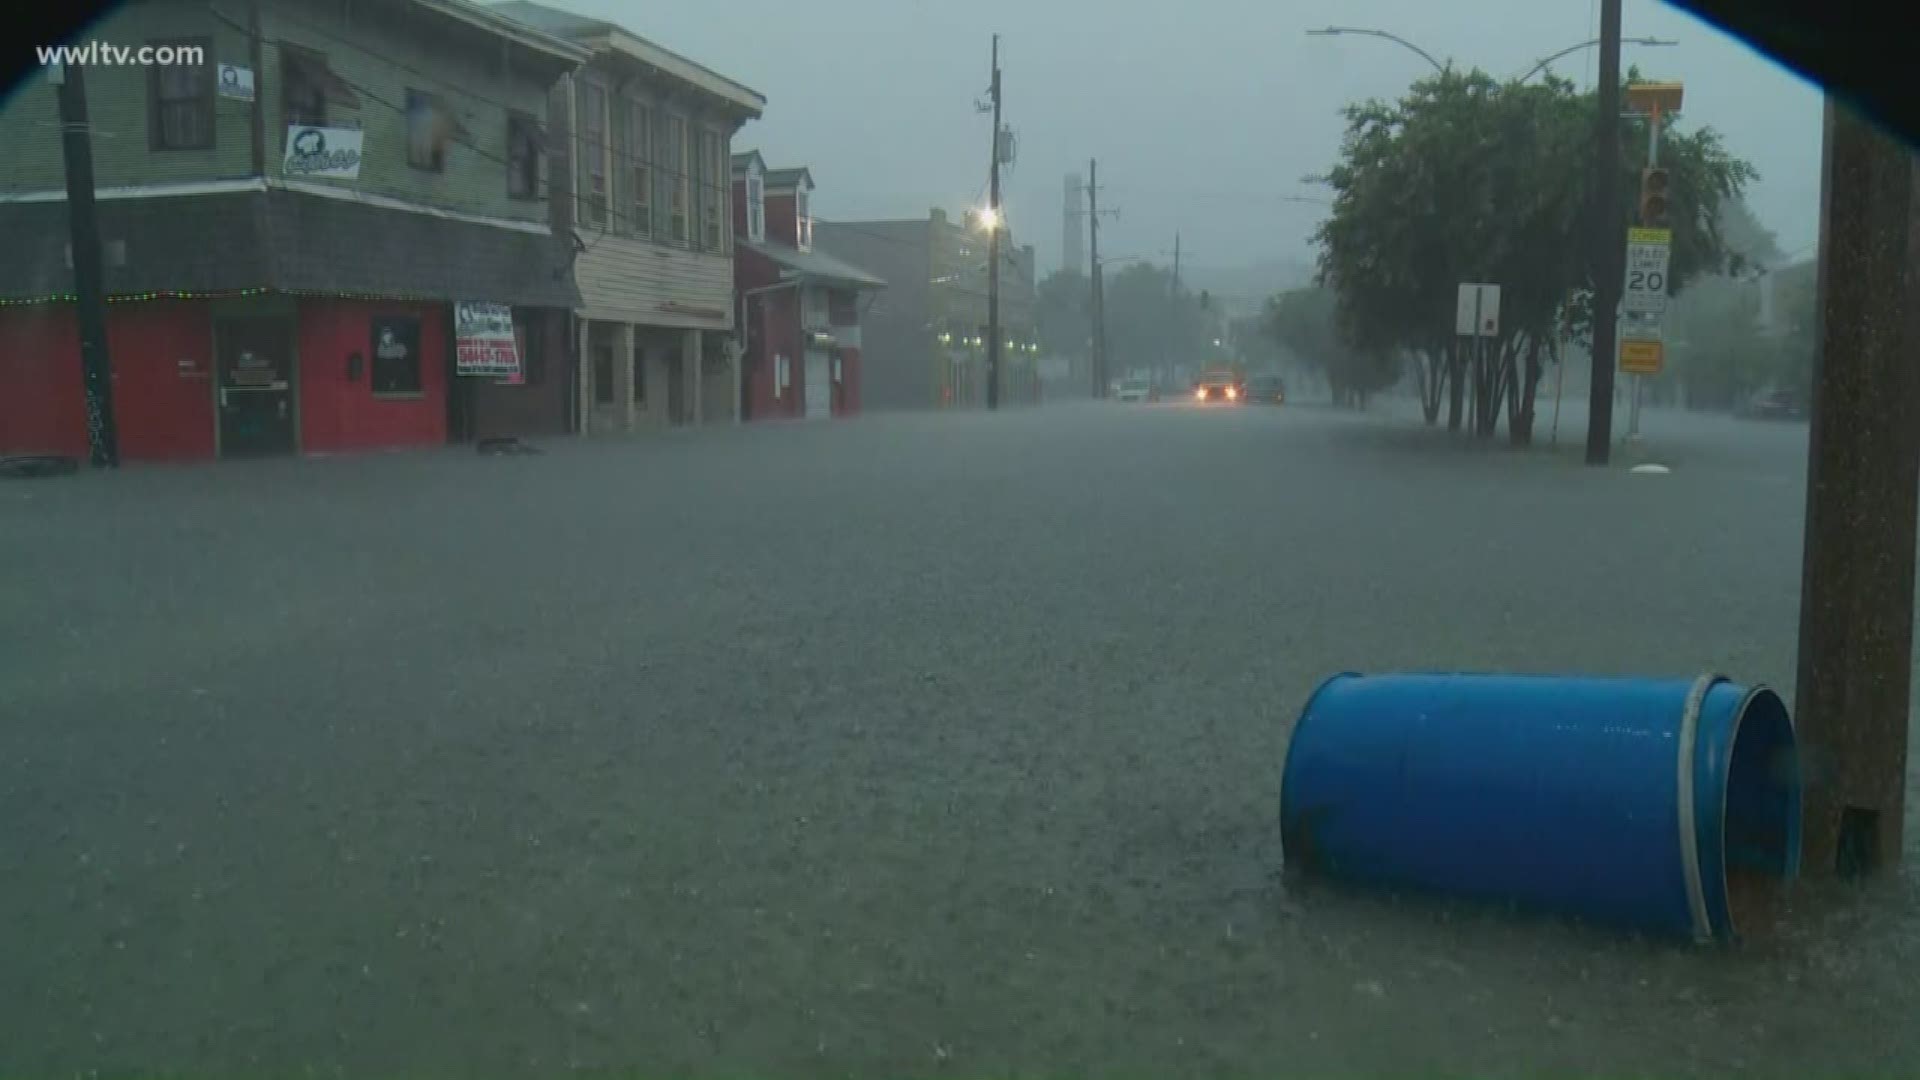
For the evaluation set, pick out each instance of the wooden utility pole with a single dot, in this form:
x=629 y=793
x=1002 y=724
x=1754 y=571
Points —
x=1863 y=483
x=1609 y=239
x=995 y=227
x=89 y=286
x=1099 y=297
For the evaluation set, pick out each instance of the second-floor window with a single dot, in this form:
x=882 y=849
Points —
x=803 y=222
x=429 y=130
x=756 y=208
x=303 y=87
x=593 y=152
x=679 y=162
x=639 y=165
x=523 y=156
x=180 y=100
x=713 y=190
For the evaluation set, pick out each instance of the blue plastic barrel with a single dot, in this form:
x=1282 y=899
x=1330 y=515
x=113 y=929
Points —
x=1660 y=804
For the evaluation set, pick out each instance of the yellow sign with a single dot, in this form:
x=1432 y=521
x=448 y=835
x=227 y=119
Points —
x=1641 y=357
x=1649 y=236
x=1651 y=96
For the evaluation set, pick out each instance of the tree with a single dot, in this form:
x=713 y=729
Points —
x=1062 y=319
x=1306 y=323
x=1465 y=179
x=1150 y=326
x=1721 y=351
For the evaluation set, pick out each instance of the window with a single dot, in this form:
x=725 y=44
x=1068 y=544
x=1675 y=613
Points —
x=639 y=365
x=524 y=146
x=603 y=373
x=640 y=166
x=678 y=163
x=303 y=87
x=813 y=309
x=803 y=224
x=396 y=354
x=180 y=100
x=713 y=190
x=427 y=131
x=593 y=153
x=756 y=208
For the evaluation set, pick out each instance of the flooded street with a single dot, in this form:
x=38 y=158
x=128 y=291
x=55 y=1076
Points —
x=913 y=745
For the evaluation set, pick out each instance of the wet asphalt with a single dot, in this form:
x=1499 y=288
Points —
x=912 y=745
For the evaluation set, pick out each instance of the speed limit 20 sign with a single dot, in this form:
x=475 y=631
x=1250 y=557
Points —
x=1647 y=256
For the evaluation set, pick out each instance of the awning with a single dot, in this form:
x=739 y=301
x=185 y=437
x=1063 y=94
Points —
x=816 y=266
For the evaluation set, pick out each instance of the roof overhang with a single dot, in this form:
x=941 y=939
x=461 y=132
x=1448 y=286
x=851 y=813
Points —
x=743 y=101
x=563 y=53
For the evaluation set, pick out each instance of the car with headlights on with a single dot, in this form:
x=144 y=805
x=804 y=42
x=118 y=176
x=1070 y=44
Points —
x=1219 y=385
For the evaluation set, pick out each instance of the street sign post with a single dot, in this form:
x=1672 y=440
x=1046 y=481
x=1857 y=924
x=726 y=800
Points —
x=1476 y=315
x=1648 y=253
x=1476 y=312
x=1643 y=303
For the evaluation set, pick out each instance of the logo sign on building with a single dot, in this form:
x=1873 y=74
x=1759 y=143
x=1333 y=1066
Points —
x=235 y=82
x=323 y=151
x=1477 y=311
x=483 y=340
x=1648 y=252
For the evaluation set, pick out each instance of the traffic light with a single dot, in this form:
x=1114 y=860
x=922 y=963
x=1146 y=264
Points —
x=1653 y=198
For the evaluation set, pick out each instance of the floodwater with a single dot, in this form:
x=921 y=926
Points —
x=915 y=745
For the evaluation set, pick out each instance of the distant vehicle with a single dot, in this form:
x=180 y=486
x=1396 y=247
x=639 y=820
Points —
x=1219 y=384
x=1137 y=389
x=1266 y=390
x=1774 y=405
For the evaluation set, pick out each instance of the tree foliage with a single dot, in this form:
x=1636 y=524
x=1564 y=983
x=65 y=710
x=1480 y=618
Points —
x=1466 y=179
x=1151 y=325
x=1306 y=323
x=1062 y=314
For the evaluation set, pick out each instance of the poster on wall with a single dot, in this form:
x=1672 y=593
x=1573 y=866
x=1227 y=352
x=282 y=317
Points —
x=396 y=355
x=483 y=340
x=235 y=82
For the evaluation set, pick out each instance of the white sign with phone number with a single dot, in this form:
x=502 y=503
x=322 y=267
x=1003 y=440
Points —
x=484 y=341
x=1648 y=253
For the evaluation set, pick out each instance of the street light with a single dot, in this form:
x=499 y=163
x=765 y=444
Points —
x=988 y=217
x=1647 y=41
x=1334 y=31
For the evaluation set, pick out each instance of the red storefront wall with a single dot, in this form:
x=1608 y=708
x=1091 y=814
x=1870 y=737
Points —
x=162 y=356
x=776 y=332
x=338 y=409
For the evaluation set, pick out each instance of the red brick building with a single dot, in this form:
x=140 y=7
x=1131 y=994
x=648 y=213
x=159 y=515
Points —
x=800 y=309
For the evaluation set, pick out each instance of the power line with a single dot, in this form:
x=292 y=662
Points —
x=1221 y=196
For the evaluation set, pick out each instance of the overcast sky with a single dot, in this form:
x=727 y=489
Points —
x=1204 y=114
